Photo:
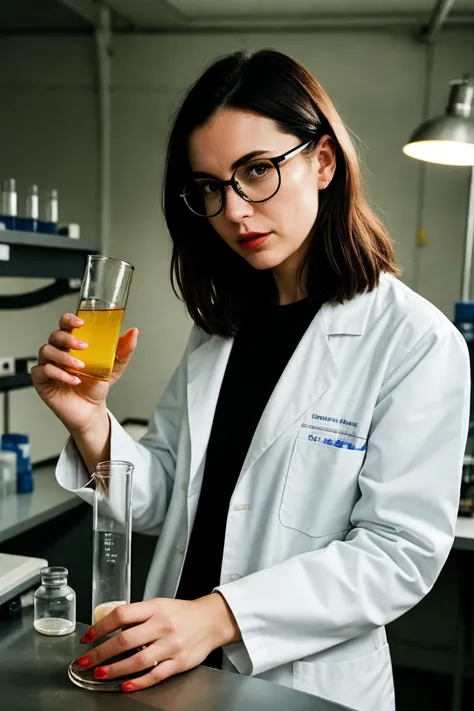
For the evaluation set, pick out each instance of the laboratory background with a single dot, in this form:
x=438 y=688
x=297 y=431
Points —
x=88 y=91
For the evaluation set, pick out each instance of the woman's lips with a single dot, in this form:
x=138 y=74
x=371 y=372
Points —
x=253 y=240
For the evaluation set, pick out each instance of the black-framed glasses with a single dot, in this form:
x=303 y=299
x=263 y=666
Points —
x=257 y=180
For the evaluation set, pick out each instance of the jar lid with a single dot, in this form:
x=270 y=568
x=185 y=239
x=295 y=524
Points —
x=8 y=456
x=54 y=575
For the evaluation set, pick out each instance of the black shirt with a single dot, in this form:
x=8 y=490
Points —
x=259 y=355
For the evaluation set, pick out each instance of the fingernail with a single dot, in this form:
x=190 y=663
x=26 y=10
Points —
x=83 y=662
x=79 y=363
x=128 y=686
x=81 y=344
x=100 y=673
x=77 y=381
x=78 y=321
x=89 y=636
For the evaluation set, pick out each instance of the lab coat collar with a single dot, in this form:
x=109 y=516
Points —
x=350 y=317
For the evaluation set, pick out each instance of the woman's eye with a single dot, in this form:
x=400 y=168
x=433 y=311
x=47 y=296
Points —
x=210 y=188
x=257 y=170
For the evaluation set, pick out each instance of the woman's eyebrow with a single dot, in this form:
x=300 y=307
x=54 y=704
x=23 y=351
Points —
x=246 y=157
x=236 y=164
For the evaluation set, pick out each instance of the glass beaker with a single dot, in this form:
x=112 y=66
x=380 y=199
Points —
x=111 y=554
x=102 y=302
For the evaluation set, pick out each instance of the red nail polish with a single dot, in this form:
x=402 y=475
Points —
x=89 y=636
x=83 y=662
x=100 y=673
x=128 y=686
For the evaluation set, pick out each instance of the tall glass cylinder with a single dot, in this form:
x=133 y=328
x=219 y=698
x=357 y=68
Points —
x=112 y=537
x=111 y=555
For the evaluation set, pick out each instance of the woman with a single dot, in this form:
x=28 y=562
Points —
x=303 y=466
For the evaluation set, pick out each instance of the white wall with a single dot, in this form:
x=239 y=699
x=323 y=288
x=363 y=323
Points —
x=447 y=189
x=48 y=134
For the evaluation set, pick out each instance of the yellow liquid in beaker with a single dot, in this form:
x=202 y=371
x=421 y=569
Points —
x=101 y=330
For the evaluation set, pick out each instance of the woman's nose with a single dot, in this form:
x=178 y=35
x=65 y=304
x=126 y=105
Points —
x=236 y=208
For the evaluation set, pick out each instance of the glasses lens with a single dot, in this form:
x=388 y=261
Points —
x=259 y=180
x=203 y=196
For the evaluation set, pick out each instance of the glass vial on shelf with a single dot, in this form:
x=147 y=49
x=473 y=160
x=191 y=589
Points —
x=9 y=204
x=32 y=209
x=55 y=603
x=50 y=224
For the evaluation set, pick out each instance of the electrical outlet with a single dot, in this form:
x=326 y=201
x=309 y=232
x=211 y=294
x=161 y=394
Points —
x=24 y=365
x=7 y=366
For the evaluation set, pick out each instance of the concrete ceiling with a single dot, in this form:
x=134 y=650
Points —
x=190 y=15
x=38 y=14
x=152 y=12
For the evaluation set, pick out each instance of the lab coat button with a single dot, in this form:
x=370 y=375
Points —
x=235 y=576
x=241 y=507
x=180 y=549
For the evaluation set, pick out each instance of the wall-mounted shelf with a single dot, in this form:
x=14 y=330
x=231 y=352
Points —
x=33 y=254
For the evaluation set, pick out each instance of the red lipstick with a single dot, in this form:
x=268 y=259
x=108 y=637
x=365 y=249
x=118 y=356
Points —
x=253 y=240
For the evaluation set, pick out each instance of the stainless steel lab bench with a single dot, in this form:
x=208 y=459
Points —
x=33 y=677
x=26 y=511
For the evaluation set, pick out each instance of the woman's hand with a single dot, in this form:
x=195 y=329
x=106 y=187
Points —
x=178 y=635
x=77 y=402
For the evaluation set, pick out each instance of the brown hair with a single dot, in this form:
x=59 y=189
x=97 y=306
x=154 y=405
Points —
x=349 y=246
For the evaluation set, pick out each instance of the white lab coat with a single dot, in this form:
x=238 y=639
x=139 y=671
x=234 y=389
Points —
x=324 y=544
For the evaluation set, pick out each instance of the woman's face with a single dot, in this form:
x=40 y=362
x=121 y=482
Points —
x=283 y=224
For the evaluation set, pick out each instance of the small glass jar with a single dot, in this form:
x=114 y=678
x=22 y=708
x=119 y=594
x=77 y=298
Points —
x=55 y=603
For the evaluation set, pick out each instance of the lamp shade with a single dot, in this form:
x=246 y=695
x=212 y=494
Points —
x=448 y=139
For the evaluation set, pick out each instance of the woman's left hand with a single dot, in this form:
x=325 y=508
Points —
x=179 y=635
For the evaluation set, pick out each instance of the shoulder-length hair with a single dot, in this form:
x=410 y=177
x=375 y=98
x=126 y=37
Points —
x=349 y=247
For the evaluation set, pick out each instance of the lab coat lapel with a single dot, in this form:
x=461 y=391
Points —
x=309 y=373
x=206 y=368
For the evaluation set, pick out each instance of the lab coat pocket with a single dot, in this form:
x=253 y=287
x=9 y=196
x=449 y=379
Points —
x=321 y=488
x=363 y=684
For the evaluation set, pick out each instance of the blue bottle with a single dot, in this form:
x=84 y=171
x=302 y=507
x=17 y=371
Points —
x=20 y=443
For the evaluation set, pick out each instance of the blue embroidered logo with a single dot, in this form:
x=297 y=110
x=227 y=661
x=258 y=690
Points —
x=339 y=443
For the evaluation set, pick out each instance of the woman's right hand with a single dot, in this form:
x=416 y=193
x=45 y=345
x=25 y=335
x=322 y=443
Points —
x=74 y=400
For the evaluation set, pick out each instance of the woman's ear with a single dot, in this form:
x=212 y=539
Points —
x=325 y=154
